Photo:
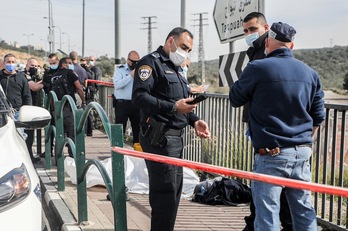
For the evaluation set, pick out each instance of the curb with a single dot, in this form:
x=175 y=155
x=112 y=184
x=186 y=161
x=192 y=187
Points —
x=53 y=200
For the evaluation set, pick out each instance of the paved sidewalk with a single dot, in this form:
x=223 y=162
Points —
x=191 y=216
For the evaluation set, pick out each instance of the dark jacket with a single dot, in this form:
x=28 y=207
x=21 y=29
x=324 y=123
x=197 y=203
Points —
x=157 y=86
x=286 y=100
x=16 y=89
x=254 y=53
x=46 y=80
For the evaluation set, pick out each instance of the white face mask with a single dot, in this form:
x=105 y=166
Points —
x=249 y=39
x=179 y=56
x=184 y=71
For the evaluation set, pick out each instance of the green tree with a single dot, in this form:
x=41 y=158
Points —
x=345 y=81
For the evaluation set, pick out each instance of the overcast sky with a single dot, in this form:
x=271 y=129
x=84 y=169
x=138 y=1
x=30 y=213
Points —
x=319 y=23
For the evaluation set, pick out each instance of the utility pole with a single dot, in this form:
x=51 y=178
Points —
x=83 y=28
x=201 y=61
x=149 y=31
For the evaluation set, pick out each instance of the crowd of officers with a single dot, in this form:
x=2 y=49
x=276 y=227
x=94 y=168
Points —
x=28 y=87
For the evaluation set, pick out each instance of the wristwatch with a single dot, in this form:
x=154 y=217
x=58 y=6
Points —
x=174 y=110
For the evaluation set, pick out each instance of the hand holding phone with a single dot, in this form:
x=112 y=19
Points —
x=198 y=99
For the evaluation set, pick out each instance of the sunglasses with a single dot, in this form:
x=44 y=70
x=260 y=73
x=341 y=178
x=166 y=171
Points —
x=133 y=61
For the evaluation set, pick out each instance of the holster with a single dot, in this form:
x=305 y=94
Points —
x=114 y=101
x=155 y=131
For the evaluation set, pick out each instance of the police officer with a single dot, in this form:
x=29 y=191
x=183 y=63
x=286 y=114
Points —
x=123 y=86
x=32 y=72
x=162 y=94
x=53 y=61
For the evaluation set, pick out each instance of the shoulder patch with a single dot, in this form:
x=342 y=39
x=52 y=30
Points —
x=121 y=66
x=144 y=72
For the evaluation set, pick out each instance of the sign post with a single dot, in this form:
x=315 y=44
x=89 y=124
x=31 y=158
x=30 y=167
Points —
x=228 y=17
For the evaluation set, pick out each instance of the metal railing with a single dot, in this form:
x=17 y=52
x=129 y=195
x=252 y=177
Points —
x=116 y=187
x=229 y=147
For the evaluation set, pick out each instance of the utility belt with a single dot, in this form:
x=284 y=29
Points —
x=276 y=151
x=156 y=131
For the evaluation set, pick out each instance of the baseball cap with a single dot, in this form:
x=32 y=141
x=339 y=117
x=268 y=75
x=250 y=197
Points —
x=282 y=32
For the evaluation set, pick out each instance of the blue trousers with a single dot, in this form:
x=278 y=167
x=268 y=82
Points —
x=291 y=163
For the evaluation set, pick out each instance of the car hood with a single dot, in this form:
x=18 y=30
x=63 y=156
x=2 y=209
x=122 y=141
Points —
x=13 y=150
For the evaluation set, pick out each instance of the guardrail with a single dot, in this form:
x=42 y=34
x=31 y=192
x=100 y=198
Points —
x=229 y=147
x=116 y=187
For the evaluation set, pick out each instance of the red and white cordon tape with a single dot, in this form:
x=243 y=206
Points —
x=99 y=82
x=314 y=187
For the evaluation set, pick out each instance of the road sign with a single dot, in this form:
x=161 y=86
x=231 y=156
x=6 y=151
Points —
x=228 y=17
x=231 y=67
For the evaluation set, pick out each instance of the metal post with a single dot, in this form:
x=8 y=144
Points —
x=117 y=32
x=183 y=14
x=80 y=160
x=83 y=28
x=118 y=179
x=60 y=37
x=28 y=35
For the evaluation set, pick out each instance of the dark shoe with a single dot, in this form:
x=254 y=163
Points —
x=35 y=159
x=89 y=134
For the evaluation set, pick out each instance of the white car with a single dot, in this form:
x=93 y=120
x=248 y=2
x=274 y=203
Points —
x=20 y=193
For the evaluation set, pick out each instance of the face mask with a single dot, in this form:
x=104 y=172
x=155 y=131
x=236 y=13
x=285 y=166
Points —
x=33 y=71
x=71 y=66
x=91 y=63
x=54 y=66
x=131 y=67
x=184 y=71
x=249 y=39
x=10 y=67
x=178 y=57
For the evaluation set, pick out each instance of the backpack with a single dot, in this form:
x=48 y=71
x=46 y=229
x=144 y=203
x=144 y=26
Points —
x=60 y=86
x=222 y=191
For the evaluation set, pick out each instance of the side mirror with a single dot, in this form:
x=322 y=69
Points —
x=32 y=117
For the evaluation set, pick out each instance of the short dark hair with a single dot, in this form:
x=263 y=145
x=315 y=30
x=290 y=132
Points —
x=52 y=55
x=9 y=55
x=62 y=61
x=177 y=31
x=260 y=17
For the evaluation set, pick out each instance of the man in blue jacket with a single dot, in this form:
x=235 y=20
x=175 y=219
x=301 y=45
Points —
x=286 y=108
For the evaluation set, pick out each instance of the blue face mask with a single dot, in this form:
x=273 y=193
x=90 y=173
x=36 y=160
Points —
x=10 y=67
x=91 y=63
x=54 y=66
x=249 y=39
x=71 y=67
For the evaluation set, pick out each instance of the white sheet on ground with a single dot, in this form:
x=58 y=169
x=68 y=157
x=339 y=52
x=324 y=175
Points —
x=136 y=175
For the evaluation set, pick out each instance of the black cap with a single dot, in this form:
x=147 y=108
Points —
x=282 y=32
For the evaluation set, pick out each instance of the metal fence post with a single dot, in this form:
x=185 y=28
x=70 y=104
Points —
x=80 y=160
x=59 y=143
x=118 y=180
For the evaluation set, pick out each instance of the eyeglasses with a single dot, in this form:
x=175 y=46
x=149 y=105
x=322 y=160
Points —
x=133 y=61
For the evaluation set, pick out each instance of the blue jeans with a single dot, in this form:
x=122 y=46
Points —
x=291 y=163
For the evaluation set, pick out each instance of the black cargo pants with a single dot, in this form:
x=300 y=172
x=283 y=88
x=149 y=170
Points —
x=165 y=182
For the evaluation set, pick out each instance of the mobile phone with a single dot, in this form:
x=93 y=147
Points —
x=198 y=99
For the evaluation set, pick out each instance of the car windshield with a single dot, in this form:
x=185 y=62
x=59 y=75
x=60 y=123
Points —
x=4 y=109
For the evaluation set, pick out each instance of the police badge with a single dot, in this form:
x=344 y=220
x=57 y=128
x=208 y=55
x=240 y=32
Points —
x=144 y=72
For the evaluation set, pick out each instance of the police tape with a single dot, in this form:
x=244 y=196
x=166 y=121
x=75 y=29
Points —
x=314 y=187
x=99 y=82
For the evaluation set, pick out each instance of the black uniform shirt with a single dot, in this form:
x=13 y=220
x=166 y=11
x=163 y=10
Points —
x=157 y=86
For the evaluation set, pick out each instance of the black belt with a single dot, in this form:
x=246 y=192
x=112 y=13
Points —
x=275 y=151
x=173 y=132
x=167 y=131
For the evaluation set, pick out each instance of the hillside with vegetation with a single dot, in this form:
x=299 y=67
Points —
x=330 y=63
